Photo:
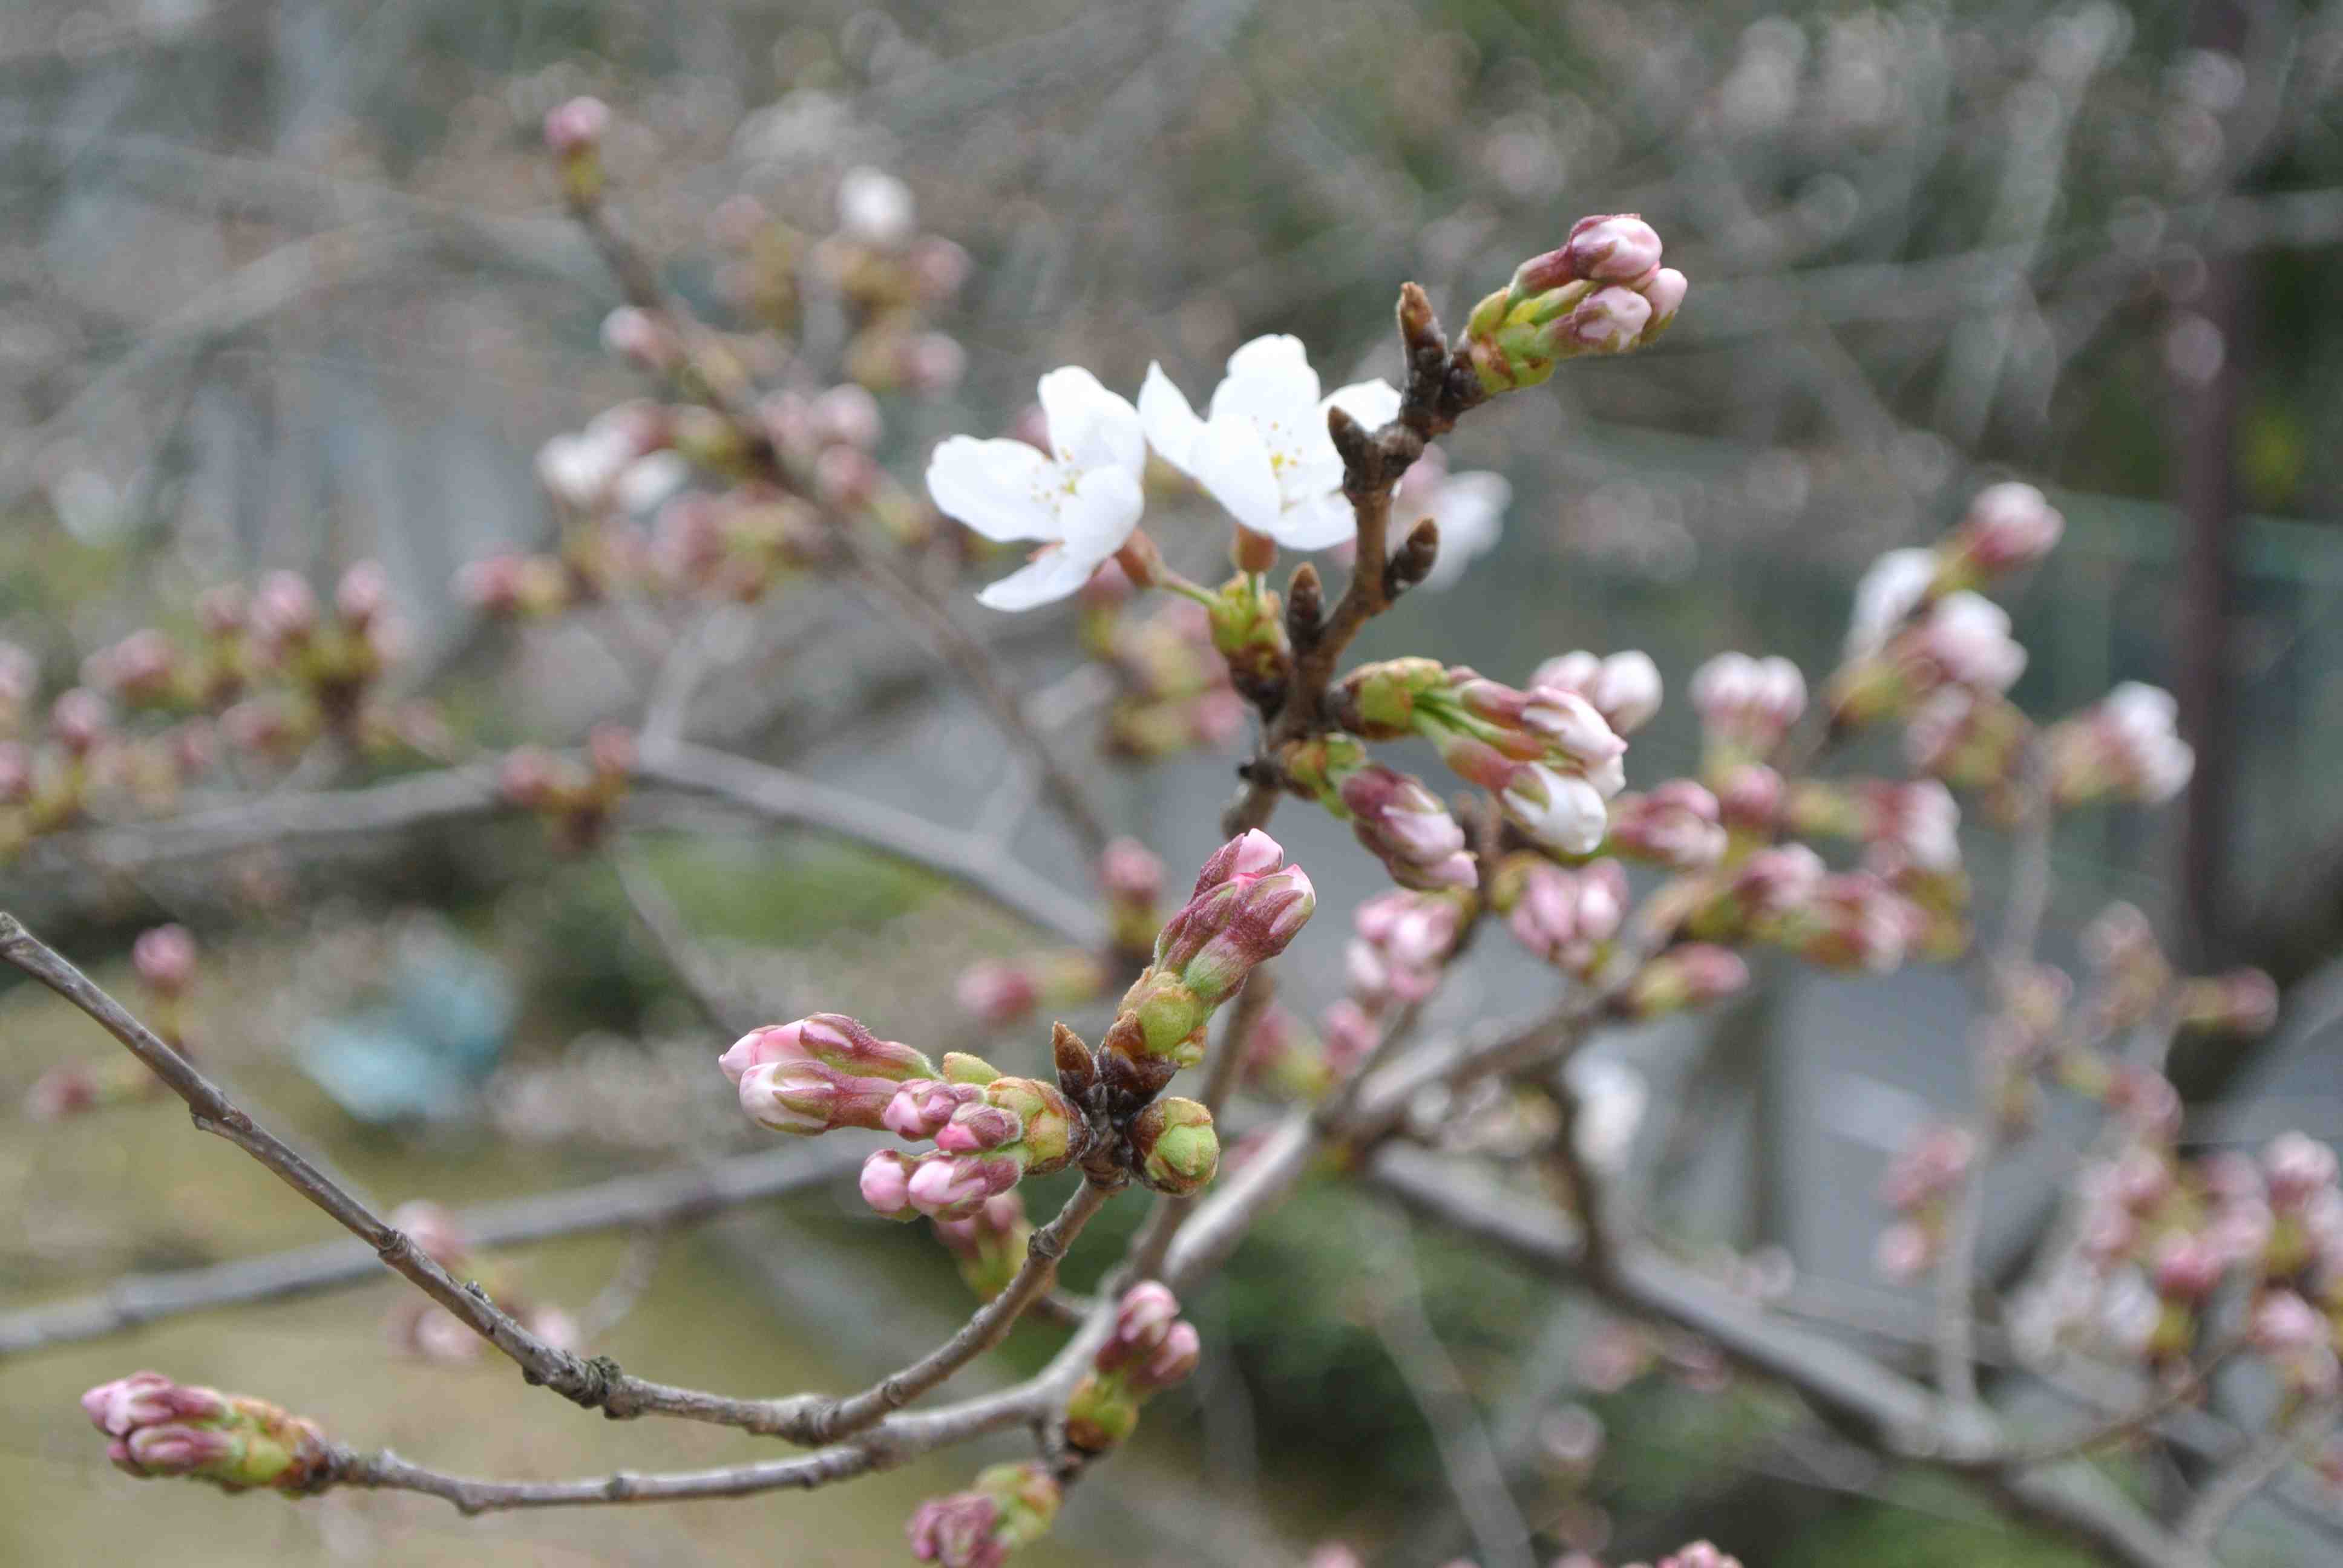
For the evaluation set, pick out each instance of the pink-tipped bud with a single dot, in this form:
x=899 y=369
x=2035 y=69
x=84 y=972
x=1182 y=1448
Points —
x=945 y=1185
x=844 y=416
x=363 y=594
x=141 y=668
x=1750 y=798
x=997 y=994
x=165 y=960
x=2009 y=526
x=2286 y=1324
x=2296 y=1169
x=79 y=719
x=1130 y=873
x=1608 y=321
x=284 y=610
x=1617 y=248
x=1693 y=974
x=1403 y=825
x=1172 y=1360
x=1665 y=291
x=886 y=1183
x=830 y=1039
x=1676 y=825
x=1566 y=916
x=921 y=1108
x=977 y=1127
x=2186 y=1267
x=575 y=127
x=1747 y=703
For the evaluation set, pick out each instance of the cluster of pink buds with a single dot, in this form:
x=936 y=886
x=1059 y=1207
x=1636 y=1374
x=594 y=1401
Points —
x=158 y=1427
x=1567 y=917
x=1394 y=818
x=1246 y=906
x=1401 y=945
x=1919 y=1186
x=997 y=993
x=890 y=278
x=1150 y=1349
x=1745 y=706
x=1679 y=824
x=1009 y=1506
x=1958 y=641
x=1853 y=921
x=1286 y=1060
x=1172 y=691
x=1546 y=754
x=1603 y=292
x=574 y=801
x=1624 y=687
x=991 y=1130
x=2125 y=748
x=989 y=1245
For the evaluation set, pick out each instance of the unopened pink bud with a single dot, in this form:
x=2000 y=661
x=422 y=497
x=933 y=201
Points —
x=1174 y=1358
x=2186 y=1269
x=2297 y=1167
x=2284 y=1323
x=1619 y=247
x=977 y=1127
x=79 y=720
x=363 y=594
x=164 y=959
x=1676 y=825
x=1131 y=872
x=2009 y=526
x=886 y=1183
x=1608 y=321
x=845 y=415
x=284 y=610
x=1561 y=810
x=1665 y=294
x=575 y=127
x=140 y=667
x=997 y=994
x=921 y=1108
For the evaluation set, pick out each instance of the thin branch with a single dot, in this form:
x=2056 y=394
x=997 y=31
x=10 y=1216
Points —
x=784 y=796
x=2251 y=1471
x=2178 y=1394
x=596 y=1384
x=1476 y=1471
x=666 y=1198
x=828 y=1419
x=2029 y=899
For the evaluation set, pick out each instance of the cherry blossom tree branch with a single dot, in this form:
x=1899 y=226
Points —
x=599 y=1383
x=662 y=1200
x=2252 y=1469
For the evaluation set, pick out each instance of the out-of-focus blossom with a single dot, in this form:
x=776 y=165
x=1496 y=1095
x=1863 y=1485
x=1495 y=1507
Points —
x=1624 y=687
x=1746 y=704
x=2125 y=747
x=1566 y=918
x=875 y=207
x=1470 y=509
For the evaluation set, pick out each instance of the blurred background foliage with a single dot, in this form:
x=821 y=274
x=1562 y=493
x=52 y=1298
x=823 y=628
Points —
x=284 y=282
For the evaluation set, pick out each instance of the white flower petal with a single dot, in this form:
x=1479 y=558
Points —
x=1090 y=426
x=1054 y=574
x=1319 y=523
x=1370 y=403
x=1168 y=419
x=1231 y=463
x=1102 y=512
x=1001 y=488
x=1474 y=506
x=1270 y=383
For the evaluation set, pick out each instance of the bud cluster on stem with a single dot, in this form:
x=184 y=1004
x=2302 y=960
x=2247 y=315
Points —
x=575 y=801
x=1009 y=1506
x=158 y=1427
x=1570 y=918
x=1602 y=291
x=1150 y=1349
x=1394 y=817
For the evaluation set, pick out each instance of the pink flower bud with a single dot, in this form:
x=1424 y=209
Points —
x=434 y=1229
x=284 y=610
x=2186 y=1269
x=941 y=266
x=164 y=959
x=953 y=1186
x=1565 y=916
x=1608 y=321
x=1750 y=798
x=1350 y=1034
x=1966 y=639
x=845 y=415
x=958 y=1531
x=2286 y=1324
x=886 y=1182
x=575 y=127
x=930 y=362
x=141 y=667
x=977 y=1127
x=1675 y=825
x=363 y=594
x=1129 y=871
x=997 y=994
x=845 y=475
x=1403 y=825
x=1747 y=702
x=1665 y=294
x=79 y=720
x=921 y=1108
x=1625 y=687
x=1174 y=1358
x=2297 y=1167
x=1618 y=248
x=1244 y=910
x=828 y=1039
x=1692 y=974
x=1575 y=728
x=2009 y=526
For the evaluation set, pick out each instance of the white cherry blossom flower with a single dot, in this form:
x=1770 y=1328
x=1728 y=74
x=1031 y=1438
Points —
x=1470 y=509
x=1262 y=450
x=1081 y=498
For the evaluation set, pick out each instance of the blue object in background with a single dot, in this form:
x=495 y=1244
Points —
x=427 y=1049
